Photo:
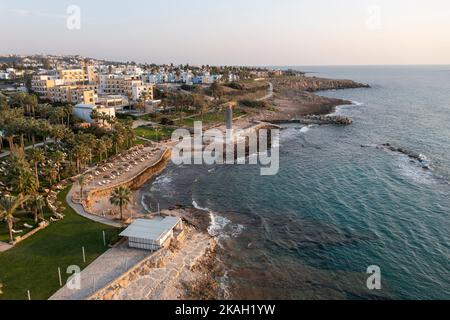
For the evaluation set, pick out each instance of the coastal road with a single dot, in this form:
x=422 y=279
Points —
x=269 y=93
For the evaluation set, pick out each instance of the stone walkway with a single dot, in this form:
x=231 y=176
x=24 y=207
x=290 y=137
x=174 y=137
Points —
x=161 y=283
x=105 y=269
x=5 y=246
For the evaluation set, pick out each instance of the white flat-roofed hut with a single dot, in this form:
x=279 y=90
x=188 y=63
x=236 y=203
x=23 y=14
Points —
x=151 y=234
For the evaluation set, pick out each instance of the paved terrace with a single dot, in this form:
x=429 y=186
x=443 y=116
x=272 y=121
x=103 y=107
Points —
x=115 y=172
x=105 y=269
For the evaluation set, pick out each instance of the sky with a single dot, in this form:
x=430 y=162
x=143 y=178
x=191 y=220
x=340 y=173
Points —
x=232 y=32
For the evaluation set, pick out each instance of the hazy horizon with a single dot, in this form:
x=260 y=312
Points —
x=253 y=33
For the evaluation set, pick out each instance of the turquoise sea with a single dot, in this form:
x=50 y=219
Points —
x=336 y=208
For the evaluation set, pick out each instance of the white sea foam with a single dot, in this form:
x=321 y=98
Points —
x=161 y=182
x=413 y=170
x=356 y=103
x=307 y=128
x=339 y=110
x=220 y=226
x=144 y=205
x=224 y=285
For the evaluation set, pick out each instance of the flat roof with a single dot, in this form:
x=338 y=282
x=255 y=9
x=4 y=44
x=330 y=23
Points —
x=150 y=229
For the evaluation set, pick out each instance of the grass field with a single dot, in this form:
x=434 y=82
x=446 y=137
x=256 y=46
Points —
x=33 y=264
x=25 y=218
x=153 y=134
x=210 y=118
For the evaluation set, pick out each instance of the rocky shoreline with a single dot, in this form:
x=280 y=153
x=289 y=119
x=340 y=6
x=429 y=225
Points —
x=201 y=278
x=314 y=84
x=294 y=99
x=319 y=120
x=415 y=157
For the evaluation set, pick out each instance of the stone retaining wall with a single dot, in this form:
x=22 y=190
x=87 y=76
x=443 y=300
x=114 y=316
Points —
x=133 y=183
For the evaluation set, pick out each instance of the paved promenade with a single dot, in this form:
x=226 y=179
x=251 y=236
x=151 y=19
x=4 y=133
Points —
x=105 y=269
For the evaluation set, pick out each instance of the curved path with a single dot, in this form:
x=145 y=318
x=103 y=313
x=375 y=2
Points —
x=79 y=209
x=269 y=93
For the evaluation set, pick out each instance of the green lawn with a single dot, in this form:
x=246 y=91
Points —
x=153 y=134
x=33 y=264
x=210 y=118
x=25 y=218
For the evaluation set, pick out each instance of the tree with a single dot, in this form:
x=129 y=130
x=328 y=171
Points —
x=140 y=104
x=199 y=104
x=20 y=176
x=37 y=203
x=37 y=156
x=81 y=154
x=107 y=145
x=8 y=207
x=82 y=180
x=68 y=110
x=58 y=157
x=120 y=197
x=46 y=64
x=118 y=138
x=51 y=173
x=216 y=90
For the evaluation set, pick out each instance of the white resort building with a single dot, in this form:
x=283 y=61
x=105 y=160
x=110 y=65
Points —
x=152 y=234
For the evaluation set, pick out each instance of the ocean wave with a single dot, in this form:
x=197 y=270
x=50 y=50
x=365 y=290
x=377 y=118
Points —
x=356 y=103
x=220 y=227
x=339 y=110
x=413 y=171
x=307 y=128
x=415 y=166
x=144 y=205
x=162 y=181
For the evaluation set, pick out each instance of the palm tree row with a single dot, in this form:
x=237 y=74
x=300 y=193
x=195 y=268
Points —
x=26 y=176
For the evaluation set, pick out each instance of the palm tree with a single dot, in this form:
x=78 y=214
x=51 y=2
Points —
x=68 y=110
x=101 y=148
x=59 y=157
x=37 y=156
x=20 y=176
x=36 y=202
x=82 y=182
x=8 y=207
x=118 y=139
x=108 y=143
x=120 y=197
x=51 y=173
x=81 y=154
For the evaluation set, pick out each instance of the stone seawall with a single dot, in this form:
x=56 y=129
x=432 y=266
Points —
x=133 y=183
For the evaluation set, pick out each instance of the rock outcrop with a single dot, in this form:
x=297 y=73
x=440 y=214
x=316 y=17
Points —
x=415 y=157
x=313 y=84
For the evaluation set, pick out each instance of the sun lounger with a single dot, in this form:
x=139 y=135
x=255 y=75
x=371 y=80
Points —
x=26 y=225
x=17 y=231
x=59 y=216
